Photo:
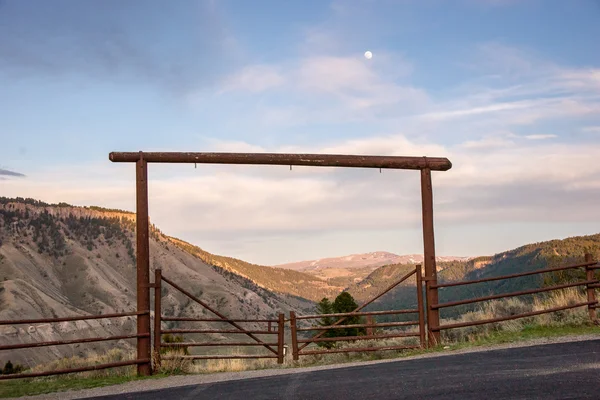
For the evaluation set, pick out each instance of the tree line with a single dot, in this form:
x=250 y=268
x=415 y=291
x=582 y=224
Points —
x=343 y=303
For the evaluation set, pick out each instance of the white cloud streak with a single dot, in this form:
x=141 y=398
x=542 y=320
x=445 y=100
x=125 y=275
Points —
x=502 y=181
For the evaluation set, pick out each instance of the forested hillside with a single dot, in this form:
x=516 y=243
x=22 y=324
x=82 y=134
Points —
x=525 y=258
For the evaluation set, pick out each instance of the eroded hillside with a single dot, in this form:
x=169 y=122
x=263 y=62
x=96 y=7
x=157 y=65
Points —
x=58 y=260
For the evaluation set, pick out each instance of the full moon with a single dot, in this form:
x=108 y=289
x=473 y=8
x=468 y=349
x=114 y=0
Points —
x=368 y=55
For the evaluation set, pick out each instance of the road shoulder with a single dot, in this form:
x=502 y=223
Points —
x=185 y=380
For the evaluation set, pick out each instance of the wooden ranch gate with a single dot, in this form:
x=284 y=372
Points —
x=423 y=164
x=275 y=348
x=298 y=345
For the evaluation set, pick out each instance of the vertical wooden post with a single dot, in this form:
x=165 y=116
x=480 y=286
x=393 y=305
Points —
x=280 y=337
x=433 y=316
x=420 y=306
x=591 y=292
x=143 y=267
x=370 y=321
x=295 y=354
x=157 y=316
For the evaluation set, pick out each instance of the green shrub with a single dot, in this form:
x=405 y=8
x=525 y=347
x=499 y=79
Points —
x=168 y=338
x=9 y=368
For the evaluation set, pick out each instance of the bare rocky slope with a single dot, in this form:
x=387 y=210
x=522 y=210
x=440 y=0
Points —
x=59 y=260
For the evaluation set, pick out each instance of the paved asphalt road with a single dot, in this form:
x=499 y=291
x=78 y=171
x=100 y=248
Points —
x=557 y=371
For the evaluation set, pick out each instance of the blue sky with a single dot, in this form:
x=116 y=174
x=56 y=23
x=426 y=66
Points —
x=509 y=90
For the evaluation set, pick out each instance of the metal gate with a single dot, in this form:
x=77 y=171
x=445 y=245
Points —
x=299 y=344
x=274 y=328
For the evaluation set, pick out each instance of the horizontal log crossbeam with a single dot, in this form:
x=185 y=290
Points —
x=313 y=160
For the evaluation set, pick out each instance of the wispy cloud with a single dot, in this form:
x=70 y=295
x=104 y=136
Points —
x=254 y=78
x=514 y=86
x=506 y=182
x=591 y=129
x=6 y=172
x=324 y=88
x=511 y=87
x=540 y=136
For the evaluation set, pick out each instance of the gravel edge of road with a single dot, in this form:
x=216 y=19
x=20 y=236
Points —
x=185 y=380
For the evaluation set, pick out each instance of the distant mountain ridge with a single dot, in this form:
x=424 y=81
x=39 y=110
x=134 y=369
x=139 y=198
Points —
x=373 y=259
x=348 y=270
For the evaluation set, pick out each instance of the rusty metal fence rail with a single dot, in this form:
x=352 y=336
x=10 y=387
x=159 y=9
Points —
x=590 y=283
x=274 y=346
x=299 y=344
x=138 y=361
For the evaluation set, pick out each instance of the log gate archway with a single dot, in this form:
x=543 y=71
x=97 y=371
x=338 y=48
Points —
x=424 y=164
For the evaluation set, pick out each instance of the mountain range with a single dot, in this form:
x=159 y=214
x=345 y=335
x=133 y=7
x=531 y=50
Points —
x=348 y=270
x=60 y=260
x=373 y=259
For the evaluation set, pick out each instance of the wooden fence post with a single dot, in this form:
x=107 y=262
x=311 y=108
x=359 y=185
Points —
x=280 y=338
x=433 y=315
x=591 y=291
x=370 y=321
x=295 y=354
x=157 y=316
x=144 y=349
x=421 y=306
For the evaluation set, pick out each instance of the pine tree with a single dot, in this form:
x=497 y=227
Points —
x=345 y=303
x=325 y=307
x=8 y=368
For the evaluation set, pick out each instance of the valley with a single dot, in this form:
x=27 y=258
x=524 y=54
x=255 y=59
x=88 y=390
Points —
x=61 y=260
x=348 y=270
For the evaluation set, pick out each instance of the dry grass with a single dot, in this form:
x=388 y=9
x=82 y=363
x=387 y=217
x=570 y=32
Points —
x=113 y=355
x=236 y=365
x=513 y=306
x=172 y=366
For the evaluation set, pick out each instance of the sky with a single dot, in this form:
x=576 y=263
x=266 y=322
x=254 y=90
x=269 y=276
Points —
x=508 y=90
